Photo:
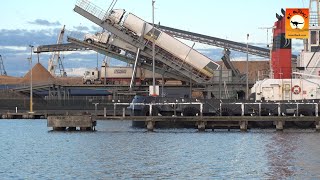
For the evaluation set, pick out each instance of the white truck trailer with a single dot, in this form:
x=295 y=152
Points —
x=117 y=75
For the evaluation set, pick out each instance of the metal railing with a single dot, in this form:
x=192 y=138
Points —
x=92 y=9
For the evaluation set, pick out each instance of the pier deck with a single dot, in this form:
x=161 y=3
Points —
x=212 y=122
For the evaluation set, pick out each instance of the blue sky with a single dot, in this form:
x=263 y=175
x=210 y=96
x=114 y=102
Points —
x=231 y=19
x=38 y=22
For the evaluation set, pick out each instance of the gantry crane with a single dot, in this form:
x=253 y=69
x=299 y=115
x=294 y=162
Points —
x=2 y=70
x=56 y=59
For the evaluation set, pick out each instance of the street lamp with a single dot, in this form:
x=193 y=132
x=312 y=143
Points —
x=247 y=69
x=31 y=95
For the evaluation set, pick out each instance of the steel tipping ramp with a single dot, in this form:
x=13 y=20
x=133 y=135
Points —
x=79 y=45
x=213 y=41
x=144 y=61
x=97 y=15
x=60 y=47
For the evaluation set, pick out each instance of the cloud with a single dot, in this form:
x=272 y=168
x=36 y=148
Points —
x=13 y=48
x=43 y=22
x=81 y=28
x=23 y=37
x=96 y=28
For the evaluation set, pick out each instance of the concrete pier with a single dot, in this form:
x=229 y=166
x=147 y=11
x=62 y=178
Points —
x=71 y=123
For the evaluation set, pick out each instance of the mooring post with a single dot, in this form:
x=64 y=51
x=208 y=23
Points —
x=243 y=125
x=96 y=108
x=242 y=109
x=259 y=109
x=150 y=109
x=123 y=112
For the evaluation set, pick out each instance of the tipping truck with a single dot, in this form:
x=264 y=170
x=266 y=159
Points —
x=97 y=37
x=118 y=75
x=182 y=52
x=106 y=38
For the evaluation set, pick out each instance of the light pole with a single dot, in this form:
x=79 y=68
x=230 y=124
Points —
x=31 y=95
x=153 y=52
x=247 y=69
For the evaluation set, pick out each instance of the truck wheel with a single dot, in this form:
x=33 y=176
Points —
x=89 y=41
x=108 y=21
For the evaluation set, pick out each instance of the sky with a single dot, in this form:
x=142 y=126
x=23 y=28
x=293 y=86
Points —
x=38 y=22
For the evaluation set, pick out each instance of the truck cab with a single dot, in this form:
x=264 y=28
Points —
x=115 y=16
x=97 y=37
x=91 y=76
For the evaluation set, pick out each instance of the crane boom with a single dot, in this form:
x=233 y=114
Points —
x=55 y=58
x=2 y=70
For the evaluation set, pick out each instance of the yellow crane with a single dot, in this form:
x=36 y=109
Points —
x=2 y=70
x=56 y=59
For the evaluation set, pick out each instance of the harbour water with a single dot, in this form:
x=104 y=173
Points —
x=29 y=150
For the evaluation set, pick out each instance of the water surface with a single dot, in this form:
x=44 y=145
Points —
x=29 y=150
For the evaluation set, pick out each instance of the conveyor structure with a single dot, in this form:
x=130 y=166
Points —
x=97 y=15
x=218 y=42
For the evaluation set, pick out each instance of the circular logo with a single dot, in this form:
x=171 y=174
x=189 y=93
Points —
x=297 y=22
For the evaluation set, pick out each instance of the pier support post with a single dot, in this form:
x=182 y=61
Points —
x=202 y=126
x=318 y=126
x=279 y=125
x=243 y=125
x=150 y=125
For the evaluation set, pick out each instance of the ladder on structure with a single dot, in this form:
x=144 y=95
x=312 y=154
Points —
x=96 y=15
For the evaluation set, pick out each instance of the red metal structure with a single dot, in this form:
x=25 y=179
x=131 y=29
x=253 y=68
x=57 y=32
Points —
x=281 y=51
